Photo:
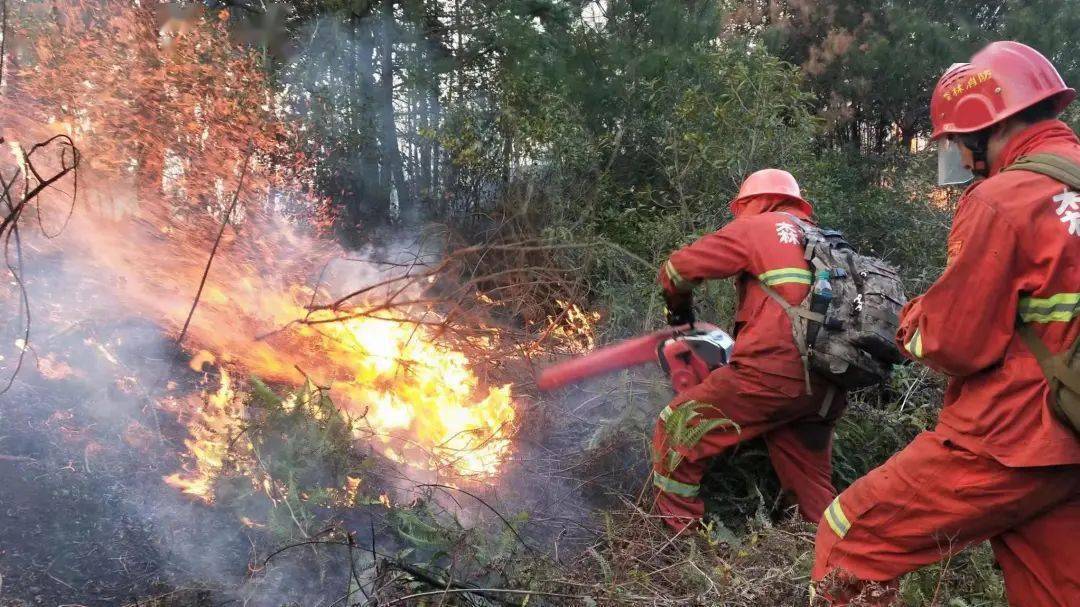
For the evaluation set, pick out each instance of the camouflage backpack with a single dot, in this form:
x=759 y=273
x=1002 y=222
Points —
x=853 y=344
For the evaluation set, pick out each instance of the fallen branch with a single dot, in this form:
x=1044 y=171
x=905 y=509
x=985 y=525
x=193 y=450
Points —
x=486 y=505
x=448 y=585
x=482 y=591
x=9 y=225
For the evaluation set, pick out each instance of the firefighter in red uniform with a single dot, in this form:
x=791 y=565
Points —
x=1000 y=465
x=763 y=392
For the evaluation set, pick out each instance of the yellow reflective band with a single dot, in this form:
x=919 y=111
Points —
x=784 y=276
x=1062 y=307
x=914 y=345
x=836 y=518
x=677 y=280
x=665 y=413
x=674 y=487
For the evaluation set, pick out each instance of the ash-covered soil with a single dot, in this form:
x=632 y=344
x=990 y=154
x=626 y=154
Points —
x=84 y=515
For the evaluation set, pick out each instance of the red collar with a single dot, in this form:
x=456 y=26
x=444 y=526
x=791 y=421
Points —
x=767 y=203
x=1031 y=139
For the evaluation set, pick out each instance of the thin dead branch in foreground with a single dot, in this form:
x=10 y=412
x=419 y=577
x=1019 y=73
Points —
x=33 y=186
x=217 y=241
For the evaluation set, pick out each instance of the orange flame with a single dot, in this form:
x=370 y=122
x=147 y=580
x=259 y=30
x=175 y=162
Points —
x=402 y=388
x=573 y=329
x=163 y=112
x=409 y=382
x=220 y=423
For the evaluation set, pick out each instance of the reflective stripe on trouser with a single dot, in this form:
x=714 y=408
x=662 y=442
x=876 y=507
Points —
x=670 y=485
x=935 y=498
x=689 y=433
x=782 y=276
x=1062 y=307
x=837 y=520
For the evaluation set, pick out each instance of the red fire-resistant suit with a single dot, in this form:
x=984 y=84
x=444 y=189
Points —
x=999 y=465
x=763 y=391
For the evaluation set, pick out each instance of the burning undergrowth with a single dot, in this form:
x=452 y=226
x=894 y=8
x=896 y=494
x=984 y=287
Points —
x=141 y=469
x=271 y=300
x=87 y=515
x=185 y=466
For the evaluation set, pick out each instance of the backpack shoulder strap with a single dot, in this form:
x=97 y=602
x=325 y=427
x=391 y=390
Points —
x=805 y=226
x=1055 y=367
x=793 y=311
x=1052 y=165
x=798 y=315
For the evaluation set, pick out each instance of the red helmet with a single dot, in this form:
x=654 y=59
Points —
x=769 y=181
x=1001 y=80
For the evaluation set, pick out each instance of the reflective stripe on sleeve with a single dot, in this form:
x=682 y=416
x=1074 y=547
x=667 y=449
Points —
x=665 y=413
x=838 y=521
x=914 y=345
x=680 y=283
x=1062 y=307
x=674 y=487
x=783 y=276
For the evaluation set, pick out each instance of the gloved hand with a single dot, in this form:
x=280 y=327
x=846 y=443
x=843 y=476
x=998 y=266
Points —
x=679 y=309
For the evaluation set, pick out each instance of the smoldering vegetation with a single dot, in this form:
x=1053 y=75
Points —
x=86 y=444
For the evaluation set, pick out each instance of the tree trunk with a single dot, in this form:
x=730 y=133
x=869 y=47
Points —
x=906 y=124
x=360 y=182
x=856 y=126
x=394 y=174
x=371 y=155
x=424 y=141
x=507 y=153
x=436 y=150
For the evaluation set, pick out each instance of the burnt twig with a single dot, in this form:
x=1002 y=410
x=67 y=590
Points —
x=487 y=593
x=9 y=226
x=486 y=505
x=217 y=241
x=3 y=42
